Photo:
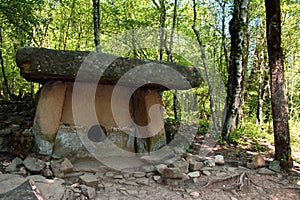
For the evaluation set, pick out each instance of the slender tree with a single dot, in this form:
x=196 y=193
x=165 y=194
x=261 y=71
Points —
x=162 y=22
x=278 y=94
x=206 y=71
x=235 y=70
x=171 y=59
x=96 y=14
x=69 y=23
x=7 y=91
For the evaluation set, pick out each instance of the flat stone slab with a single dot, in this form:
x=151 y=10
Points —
x=17 y=187
x=41 y=64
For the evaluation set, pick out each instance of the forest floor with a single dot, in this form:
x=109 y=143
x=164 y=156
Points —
x=229 y=181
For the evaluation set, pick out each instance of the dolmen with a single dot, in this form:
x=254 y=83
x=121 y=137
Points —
x=88 y=98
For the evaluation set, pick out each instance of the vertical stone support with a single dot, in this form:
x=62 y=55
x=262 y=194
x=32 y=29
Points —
x=148 y=115
x=48 y=116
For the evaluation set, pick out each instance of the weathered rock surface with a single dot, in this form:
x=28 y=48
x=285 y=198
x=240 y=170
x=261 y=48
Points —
x=66 y=166
x=51 y=189
x=89 y=179
x=61 y=166
x=38 y=64
x=17 y=187
x=194 y=174
x=258 y=161
x=22 y=191
x=16 y=118
x=160 y=168
x=173 y=173
x=68 y=144
x=87 y=191
x=210 y=163
x=13 y=166
x=182 y=165
x=34 y=164
x=195 y=166
x=9 y=182
x=265 y=171
x=275 y=166
x=48 y=115
x=219 y=160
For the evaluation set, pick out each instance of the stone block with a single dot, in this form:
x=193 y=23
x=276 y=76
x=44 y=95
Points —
x=89 y=179
x=173 y=173
x=195 y=174
x=259 y=161
x=195 y=166
x=13 y=166
x=182 y=165
x=219 y=160
x=34 y=164
x=275 y=166
x=66 y=166
x=68 y=144
x=48 y=115
x=210 y=163
x=265 y=171
x=160 y=168
x=148 y=115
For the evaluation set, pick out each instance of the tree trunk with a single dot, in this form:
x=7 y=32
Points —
x=245 y=52
x=96 y=15
x=224 y=46
x=171 y=59
x=206 y=72
x=162 y=27
x=6 y=90
x=69 y=23
x=235 y=71
x=263 y=86
x=278 y=95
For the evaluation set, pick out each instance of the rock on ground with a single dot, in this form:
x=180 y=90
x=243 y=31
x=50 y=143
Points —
x=17 y=187
x=34 y=164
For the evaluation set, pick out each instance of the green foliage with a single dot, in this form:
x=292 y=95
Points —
x=249 y=135
x=295 y=138
x=68 y=24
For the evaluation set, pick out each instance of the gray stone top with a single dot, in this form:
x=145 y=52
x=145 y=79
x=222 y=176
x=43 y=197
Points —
x=41 y=64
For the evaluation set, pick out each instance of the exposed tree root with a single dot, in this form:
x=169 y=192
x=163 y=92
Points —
x=242 y=179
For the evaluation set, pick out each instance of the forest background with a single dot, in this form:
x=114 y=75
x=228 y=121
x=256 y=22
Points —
x=69 y=25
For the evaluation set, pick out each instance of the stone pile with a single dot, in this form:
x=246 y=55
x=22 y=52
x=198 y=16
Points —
x=16 y=118
x=72 y=181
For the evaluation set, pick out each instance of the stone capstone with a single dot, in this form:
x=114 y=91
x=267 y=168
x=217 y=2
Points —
x=40 y=64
